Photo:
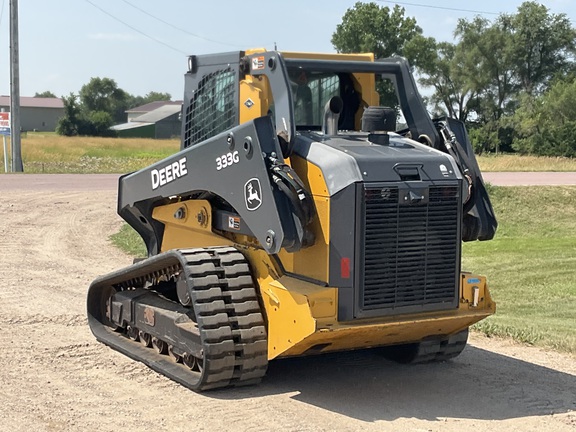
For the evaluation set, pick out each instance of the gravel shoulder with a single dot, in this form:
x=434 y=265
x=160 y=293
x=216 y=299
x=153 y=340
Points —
x=54 y=376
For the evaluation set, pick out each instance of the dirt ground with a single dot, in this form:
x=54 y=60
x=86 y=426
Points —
x=54 y=376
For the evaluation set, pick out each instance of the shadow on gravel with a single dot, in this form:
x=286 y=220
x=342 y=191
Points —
x=477 y=385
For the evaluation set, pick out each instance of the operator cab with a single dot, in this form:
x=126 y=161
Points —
x=313 y=90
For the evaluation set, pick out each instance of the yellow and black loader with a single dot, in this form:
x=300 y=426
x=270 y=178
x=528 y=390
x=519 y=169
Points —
x=298 y=218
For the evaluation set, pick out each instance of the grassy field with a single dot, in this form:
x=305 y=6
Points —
x=50 y=153
x=512 y=162
x=531 y=265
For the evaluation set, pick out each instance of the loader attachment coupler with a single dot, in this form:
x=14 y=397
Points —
x=479 y=219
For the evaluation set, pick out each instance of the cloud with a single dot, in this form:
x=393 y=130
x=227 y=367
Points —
x=125 y=37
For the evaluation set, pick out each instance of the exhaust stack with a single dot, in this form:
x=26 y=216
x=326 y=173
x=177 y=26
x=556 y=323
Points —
x=332 y=112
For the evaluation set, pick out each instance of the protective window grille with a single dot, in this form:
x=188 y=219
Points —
x=311 y=96
x=322 y=90
x=212 y=108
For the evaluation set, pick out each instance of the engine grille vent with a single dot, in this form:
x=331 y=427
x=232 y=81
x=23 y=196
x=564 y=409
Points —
x=411 y=252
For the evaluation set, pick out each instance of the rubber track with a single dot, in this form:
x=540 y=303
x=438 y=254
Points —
x=228 y=316
x=426 y=351
x=226 y=308
x=245 y=317
x=441 y=350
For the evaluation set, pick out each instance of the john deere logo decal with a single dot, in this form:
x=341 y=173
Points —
x=253 y=194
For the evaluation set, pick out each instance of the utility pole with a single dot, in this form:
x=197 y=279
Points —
x=15 y=90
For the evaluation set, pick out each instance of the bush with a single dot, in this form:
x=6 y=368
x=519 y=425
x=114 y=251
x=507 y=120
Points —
x=554 y=141
x=77 y=121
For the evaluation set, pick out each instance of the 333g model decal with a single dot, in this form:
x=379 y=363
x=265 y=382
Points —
x=227 y=160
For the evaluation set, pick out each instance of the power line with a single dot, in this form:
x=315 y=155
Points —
x=135 y=29
x=439 y=7
x=2 y=11
x=446 y=8
x=178 y=28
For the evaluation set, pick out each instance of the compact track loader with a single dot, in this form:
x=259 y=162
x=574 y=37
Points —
x=298 y=218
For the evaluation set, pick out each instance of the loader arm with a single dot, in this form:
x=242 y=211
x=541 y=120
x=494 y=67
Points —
x=238 y=167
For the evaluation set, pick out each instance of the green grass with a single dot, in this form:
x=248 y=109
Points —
x=531 y=266
x=129 y=241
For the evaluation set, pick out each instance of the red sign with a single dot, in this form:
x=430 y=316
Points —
x=4 y=123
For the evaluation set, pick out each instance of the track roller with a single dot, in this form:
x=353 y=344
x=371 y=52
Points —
x=133 y=333
x=145 y=339
x=175 y=357
x=159 y=345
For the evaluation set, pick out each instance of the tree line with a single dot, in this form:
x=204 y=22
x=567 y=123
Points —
x=99 y=105
x=512 y=80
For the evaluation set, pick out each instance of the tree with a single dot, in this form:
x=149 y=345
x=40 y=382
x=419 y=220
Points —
x=368 y=27
x=78 y=121
x=45 y=94
x=542 y=46
x=546 y=124
x=152 y=96
x=497 y=61
x=70 y=123
x=98 y=124
x=103 y=94
x=484 y=51
x=453 y=95
x=515 y=53
x=157 y=96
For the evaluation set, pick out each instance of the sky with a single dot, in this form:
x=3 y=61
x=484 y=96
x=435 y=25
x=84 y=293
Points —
x=143 y=44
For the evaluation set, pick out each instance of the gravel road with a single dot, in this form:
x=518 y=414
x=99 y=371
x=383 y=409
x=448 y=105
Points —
x=54 y=376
